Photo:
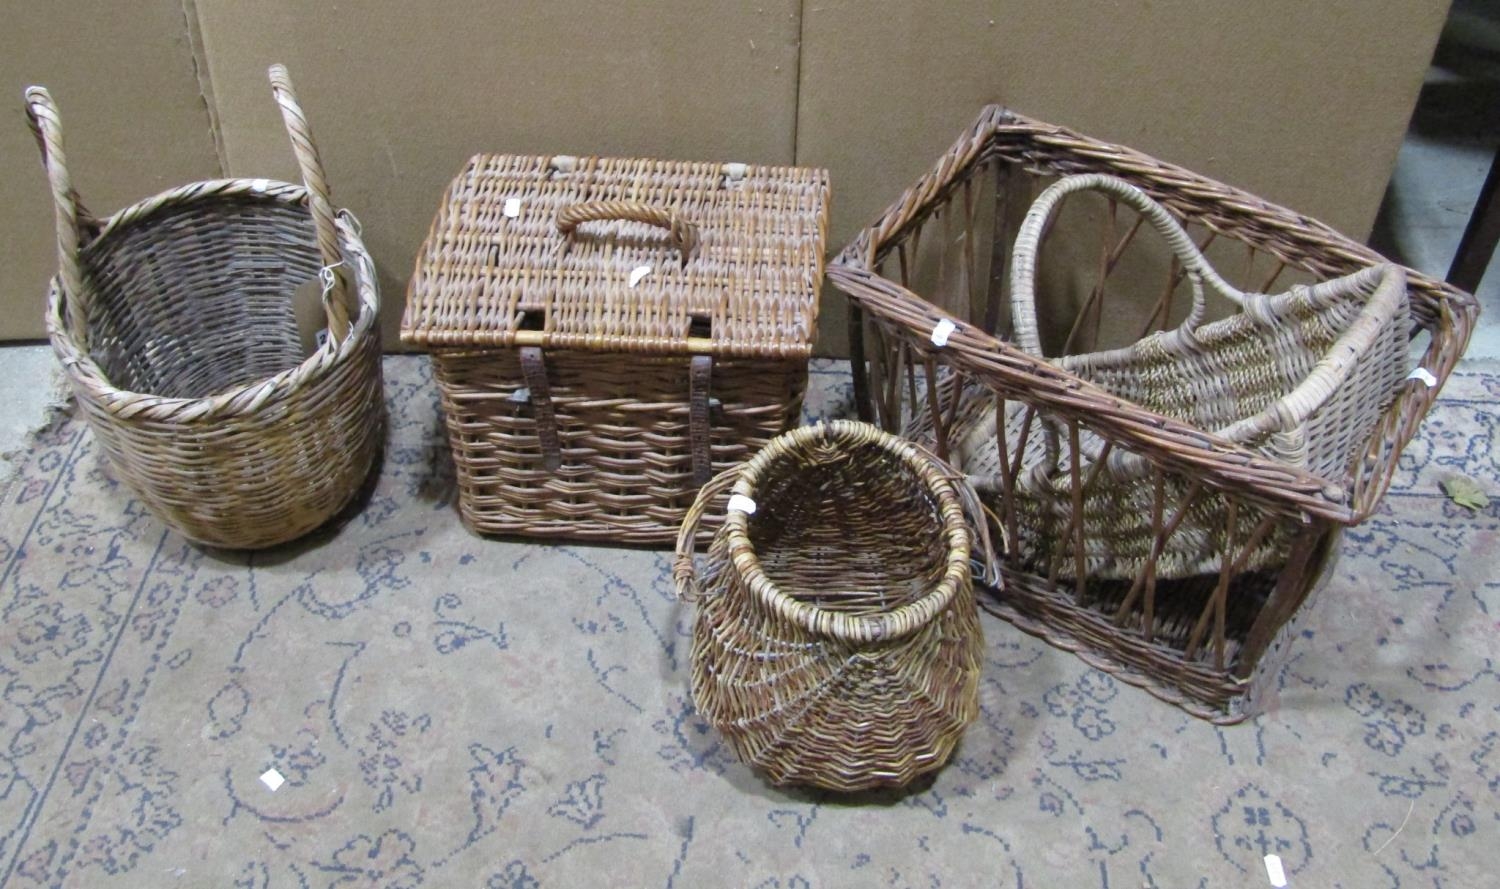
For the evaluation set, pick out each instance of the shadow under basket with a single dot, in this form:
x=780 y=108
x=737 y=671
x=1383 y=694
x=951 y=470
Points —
x=1226 y=538
x=837 y=641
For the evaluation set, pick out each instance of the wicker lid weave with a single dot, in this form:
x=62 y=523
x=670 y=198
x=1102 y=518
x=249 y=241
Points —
x=623 y=256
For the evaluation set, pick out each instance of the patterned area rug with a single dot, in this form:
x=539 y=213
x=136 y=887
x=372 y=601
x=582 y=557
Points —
x=451 y=711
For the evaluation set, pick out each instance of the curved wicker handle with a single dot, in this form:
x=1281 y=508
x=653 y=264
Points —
x=335 y=303
x=46 y=125
x=1028 y=242
x=684 y=574
x=684 y=234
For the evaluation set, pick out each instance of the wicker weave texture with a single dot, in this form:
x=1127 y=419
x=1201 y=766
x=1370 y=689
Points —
x=734 y=252
x=626 y=472
x=1302 y=377
x=609 y=333
x=174 y=322
x=1158 y=523
x=836 y=641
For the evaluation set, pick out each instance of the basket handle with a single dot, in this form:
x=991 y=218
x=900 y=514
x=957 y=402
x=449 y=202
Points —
x=335 y=282
x=683 y=234
x=684 y=573
x=1028 y=242
x=72 y=218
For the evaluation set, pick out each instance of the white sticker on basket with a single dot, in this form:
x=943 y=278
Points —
x=639 y=272
x=272 y=779
x=741 y=503
x=942 y=331
x=1424 y=375
x=260 y=186
x=512 y=208
x=1275 y=871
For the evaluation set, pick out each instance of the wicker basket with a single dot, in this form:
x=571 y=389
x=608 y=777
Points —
x=1302 y=377
x=836 y=641
x=609 y=333
x=1216 y=532
x=174 y=322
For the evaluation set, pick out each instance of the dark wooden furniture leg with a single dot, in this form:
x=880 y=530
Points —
x=1478 y=243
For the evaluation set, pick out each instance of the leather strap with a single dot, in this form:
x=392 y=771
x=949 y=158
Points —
x=700 y=375
x=534 y=371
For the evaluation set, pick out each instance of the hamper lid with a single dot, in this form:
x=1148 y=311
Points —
x=621 y=255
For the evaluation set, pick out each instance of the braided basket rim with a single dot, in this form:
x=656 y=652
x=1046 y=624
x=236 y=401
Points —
x=860 y=629
x=246 y=399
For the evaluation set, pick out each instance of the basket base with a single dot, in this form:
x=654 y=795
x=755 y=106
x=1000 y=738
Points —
x=628 y=529
x=1233 y=694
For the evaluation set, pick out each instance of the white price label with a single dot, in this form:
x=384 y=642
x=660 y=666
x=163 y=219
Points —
x=1424 y=375
x=1275 y=871
x=272 y=779
x=741 y=503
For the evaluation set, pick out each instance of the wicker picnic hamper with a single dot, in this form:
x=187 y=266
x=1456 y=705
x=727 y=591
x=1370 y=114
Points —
x=836 y=641
x=1167 y=501
x=174 y=322
x=607 y=334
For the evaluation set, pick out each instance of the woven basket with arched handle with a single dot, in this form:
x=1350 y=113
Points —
x=1301 y=377
x=174 y=322
x=837 y=641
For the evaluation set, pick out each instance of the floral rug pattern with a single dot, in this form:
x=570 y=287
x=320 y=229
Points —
x=445 y=710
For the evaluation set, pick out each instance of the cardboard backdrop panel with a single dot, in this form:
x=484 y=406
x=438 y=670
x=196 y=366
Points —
x=1304 y=104
x=134 y=121
x=401 y=94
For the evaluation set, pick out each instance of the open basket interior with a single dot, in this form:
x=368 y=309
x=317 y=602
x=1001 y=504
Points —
x=848 y=528
x=206 y=295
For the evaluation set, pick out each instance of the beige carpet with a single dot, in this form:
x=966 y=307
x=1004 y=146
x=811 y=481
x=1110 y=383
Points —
x=450 y=711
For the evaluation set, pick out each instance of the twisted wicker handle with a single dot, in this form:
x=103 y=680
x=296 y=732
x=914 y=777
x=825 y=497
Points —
x=684 y=574
x=335 y=304
x=1028 y=242
x=46 y=125
x=683 y=234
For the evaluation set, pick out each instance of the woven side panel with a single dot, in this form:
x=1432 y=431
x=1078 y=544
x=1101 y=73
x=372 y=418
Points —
x=626 y=471
x=268 y=478
x=811 y=710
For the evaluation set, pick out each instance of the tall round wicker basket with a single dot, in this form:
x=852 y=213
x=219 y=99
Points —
x=836 y=641
x=174 y=321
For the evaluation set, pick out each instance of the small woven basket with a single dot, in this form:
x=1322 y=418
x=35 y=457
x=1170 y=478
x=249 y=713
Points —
x=837 y=641
x=1300 y=377
x=174 y=321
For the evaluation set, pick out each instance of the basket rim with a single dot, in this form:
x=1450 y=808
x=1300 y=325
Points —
x=896 y=623
x=1447 y=313
x=246 y=399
